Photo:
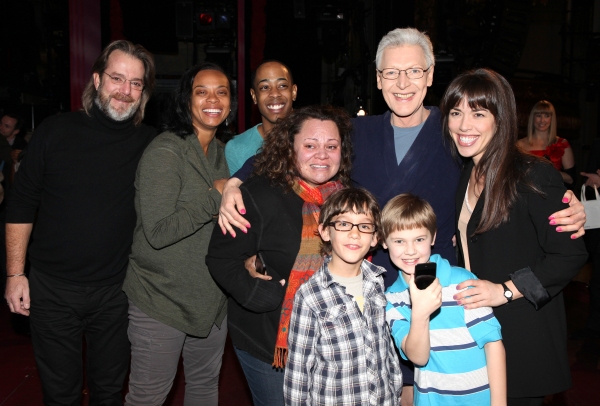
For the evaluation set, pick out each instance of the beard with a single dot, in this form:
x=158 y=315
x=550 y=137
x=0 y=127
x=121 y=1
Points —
x=125 y=113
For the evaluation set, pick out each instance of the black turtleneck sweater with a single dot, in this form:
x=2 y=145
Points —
x=79 y=172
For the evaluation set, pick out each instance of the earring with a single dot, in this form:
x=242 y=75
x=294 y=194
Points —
x=227 y=122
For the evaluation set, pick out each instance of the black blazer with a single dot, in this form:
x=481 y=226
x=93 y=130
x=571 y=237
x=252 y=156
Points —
x=540 y=261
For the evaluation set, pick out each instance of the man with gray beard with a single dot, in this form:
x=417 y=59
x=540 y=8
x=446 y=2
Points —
x=78 y=179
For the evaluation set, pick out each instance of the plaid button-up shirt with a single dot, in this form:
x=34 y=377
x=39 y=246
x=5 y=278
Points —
x=339 y=355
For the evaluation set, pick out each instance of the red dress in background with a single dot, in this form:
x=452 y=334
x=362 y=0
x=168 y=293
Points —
x=553 y=152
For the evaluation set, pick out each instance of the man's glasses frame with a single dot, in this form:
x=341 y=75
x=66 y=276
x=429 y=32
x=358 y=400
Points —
x=119 y=81
x=394 y=74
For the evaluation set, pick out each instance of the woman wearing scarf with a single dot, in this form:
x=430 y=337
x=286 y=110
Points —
x=305 y=158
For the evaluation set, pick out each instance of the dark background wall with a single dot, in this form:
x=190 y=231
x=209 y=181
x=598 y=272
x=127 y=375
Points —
x=548 y=49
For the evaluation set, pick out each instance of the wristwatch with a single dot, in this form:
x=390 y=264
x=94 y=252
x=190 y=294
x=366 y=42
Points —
x=507 y=293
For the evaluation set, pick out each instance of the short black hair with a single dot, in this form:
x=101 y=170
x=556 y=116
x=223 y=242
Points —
x=253 y=78
x=13 y=114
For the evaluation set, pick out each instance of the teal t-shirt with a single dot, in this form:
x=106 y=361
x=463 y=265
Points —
x=242 y=147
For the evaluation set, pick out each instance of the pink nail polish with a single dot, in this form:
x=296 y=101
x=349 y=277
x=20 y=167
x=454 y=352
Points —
x=224 y=232
x=552 y=222
x=551 y=218
x=559 y=229
x=573 y=236
x=247 y=225
x=243 y=211
x=245 y=231
x=565 y=200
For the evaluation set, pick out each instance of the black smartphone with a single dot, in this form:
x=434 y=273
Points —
x=260 y=265
x=425 y=274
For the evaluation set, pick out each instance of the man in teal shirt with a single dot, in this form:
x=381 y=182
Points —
x=273 y=91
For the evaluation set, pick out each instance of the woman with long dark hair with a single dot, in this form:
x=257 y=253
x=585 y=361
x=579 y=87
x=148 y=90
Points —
x=175 y=306
x=504 y=200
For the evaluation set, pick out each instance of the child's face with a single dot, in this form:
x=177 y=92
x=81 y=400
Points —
x=407 y=248
x=349 y=246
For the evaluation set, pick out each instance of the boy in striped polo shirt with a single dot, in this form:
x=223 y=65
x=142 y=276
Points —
x=458 y=354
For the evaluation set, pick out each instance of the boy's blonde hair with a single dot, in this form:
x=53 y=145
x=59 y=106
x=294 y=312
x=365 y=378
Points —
x=346 y=200
x=407 y=212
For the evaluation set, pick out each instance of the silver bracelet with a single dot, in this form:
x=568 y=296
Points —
x=17 y=274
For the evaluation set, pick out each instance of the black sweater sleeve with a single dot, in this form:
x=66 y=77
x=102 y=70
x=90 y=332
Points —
x=268 y=234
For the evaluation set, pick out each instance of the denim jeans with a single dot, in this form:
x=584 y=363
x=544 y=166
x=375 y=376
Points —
x=265 y=382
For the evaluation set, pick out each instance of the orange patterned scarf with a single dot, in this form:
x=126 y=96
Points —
x=309 y=259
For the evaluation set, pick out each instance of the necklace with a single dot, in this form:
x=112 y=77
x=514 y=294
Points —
x=469 y=209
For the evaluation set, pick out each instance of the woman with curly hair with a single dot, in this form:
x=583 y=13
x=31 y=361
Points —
x=304 y=159
x=542 y=141
x=175 y=306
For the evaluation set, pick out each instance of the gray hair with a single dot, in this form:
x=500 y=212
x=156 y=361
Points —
x=405 y=36
x=135 y=51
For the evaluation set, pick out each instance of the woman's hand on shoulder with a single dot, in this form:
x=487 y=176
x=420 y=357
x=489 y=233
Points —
x=232 y=208
x=570 y=219
x=482 y=293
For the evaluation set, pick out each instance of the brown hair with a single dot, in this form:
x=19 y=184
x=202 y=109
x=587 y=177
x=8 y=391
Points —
x=277 y=160
x=359 y=201
x=136 y=51
x=502 y=166
x=407 y=212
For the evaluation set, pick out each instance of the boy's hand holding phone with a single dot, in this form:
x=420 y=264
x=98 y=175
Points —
x=426 y=301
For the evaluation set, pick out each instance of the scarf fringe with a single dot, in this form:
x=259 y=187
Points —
x=280 y=357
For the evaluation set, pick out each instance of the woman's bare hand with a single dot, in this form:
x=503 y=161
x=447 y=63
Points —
x=232 y=208
x=483 y=293
x=570 y=219
x=250 y=266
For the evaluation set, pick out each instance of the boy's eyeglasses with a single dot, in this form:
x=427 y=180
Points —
x=366 y=228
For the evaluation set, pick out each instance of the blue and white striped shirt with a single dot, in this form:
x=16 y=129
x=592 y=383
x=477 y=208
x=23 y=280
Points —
x=456 y=373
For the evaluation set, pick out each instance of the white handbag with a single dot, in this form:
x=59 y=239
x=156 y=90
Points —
x=592 y=210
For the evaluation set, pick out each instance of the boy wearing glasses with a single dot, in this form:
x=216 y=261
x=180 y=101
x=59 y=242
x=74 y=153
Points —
x=340 y=348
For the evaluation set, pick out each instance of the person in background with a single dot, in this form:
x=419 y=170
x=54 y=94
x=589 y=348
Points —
x=76 y=182
x=273 y=91
x=340 y=348
x=174 y=304
x=542 y=141
x=503 y=203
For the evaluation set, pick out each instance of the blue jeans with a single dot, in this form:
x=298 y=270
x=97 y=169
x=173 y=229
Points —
x=265 y=382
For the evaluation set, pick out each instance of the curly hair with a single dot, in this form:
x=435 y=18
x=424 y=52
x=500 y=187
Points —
x=277 y=159
x=178 y=118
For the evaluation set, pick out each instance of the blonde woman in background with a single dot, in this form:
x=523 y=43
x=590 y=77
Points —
x=542 y=141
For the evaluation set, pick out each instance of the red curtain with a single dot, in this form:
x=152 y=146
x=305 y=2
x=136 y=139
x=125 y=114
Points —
x=84 y=44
